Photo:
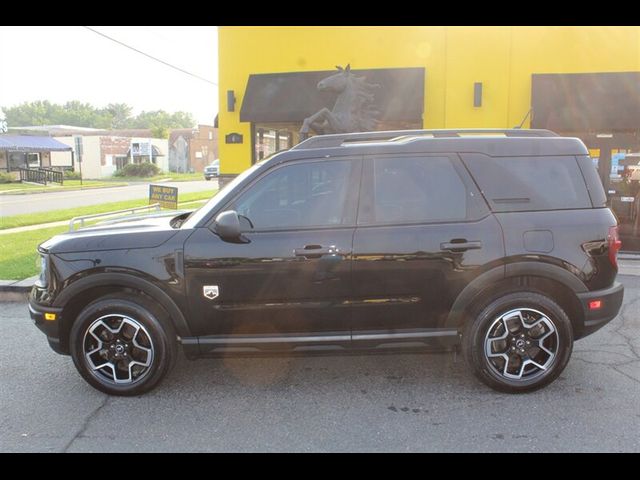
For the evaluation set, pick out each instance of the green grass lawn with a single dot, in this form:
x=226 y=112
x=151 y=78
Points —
x=69 y=213
x=7 y=187
x=18 y=253
x=18 y=187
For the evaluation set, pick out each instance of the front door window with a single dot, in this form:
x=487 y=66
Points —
x=305 y=195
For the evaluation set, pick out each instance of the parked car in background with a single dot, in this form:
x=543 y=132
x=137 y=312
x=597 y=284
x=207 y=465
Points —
x=213 y=170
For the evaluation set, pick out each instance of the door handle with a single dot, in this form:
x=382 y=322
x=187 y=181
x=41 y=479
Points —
x=316 y=251
x=460 y=245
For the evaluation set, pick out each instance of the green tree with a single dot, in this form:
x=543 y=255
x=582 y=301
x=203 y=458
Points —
x=120 y=115
x=159 y=131
x=114 y=115
x=32 y=113
x=160 y=118
x=83 y=114
x=182 y=120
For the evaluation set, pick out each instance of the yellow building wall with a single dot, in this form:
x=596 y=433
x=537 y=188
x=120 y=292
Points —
x=502 y=58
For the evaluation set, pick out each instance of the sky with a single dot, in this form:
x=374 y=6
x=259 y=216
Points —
x=72 y=63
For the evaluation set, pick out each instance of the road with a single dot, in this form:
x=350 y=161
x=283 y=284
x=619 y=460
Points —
x=43 y=202
x=401 y=403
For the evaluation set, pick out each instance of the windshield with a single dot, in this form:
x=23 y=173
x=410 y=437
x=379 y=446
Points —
x=219 y=198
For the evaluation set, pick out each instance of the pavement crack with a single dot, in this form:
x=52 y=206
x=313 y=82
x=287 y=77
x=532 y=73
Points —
x=85 y=423
x=607 y=352
x=625 y=374
x=605 y=364
x=623 y=325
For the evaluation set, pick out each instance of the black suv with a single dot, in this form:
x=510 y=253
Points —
x=495 y=242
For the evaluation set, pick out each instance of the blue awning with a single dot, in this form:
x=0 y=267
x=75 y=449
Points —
x=28 y=143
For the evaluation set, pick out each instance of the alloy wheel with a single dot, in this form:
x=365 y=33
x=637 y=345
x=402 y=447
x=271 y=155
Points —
x=521 y=344
x=118 y=349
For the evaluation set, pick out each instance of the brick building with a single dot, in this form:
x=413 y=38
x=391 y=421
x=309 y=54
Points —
x=191 y=149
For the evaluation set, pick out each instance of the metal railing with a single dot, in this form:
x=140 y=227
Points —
x=83 y=218
x=41 y=175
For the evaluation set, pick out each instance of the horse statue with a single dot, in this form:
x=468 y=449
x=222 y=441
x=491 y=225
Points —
x=353 y=111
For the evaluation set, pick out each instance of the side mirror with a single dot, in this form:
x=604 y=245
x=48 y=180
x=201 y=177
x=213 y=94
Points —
x=228 y=226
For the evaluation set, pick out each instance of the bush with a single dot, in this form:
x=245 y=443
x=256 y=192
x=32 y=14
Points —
x=6 y=178
x=71 y=175
x=138 y=170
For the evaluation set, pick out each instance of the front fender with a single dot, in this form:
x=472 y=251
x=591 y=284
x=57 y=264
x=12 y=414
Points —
x=119 y=279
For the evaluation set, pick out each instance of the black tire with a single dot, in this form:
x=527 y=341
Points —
x=495 y=371
x=155 y=334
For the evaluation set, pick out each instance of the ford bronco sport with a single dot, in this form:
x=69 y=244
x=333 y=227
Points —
x=497 y=242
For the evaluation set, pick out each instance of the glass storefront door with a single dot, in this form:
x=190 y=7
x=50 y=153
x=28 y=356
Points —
x=269 y=139
x=617 y=158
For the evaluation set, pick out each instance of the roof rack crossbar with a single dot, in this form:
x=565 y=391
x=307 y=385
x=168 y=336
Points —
x=336 y=140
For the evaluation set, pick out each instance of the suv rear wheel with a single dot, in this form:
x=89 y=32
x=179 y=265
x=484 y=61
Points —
x=519 y=342
x=120 y=345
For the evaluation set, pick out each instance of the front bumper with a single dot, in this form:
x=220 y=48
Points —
x=51 y=328
x=611 y=299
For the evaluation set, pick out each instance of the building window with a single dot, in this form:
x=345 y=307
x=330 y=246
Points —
x=19 y=160
x=121 y=161
x=270 y=139
x=33 y=160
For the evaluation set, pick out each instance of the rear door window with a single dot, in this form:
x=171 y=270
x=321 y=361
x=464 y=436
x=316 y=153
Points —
x=515 y=184
x=412 y=190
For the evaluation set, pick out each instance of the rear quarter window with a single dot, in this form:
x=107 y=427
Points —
x=594 y=184
x=516 y=184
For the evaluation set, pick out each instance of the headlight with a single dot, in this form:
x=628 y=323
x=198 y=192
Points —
x=43 y=278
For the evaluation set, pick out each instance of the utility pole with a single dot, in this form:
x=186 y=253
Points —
x=78 y=142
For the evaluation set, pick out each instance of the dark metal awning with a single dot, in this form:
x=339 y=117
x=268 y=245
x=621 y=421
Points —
x=292 y=97
x=28 y=143
x=586 y=102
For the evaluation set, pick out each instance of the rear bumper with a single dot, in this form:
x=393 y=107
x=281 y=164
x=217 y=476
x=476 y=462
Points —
x=51 y=328
x=611 y=299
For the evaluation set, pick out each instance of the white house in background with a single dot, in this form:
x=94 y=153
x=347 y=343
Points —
x=103 y=151
x=104 y=154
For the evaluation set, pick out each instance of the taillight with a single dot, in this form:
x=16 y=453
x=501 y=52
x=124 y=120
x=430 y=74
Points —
x=615 y=244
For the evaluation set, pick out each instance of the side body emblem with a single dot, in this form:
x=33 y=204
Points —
x=210 y=291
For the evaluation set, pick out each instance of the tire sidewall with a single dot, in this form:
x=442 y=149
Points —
x=474 y=338
x=141 y=313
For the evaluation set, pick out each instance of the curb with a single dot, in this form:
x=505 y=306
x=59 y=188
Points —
x=16 y=290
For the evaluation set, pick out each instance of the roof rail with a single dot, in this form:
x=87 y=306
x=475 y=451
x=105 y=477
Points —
x=336 y=140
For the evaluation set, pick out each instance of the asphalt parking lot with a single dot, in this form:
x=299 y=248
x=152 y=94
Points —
x=425 y=402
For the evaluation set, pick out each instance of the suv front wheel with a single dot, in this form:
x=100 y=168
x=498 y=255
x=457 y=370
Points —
x=519 y=342
x=120 y=345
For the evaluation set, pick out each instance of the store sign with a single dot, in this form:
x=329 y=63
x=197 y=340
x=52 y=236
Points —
x=233 y=138
x=167 y=197
x=79 y=148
